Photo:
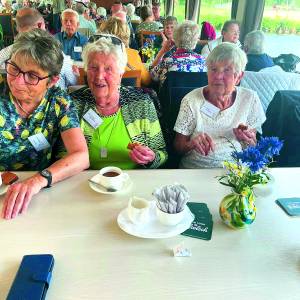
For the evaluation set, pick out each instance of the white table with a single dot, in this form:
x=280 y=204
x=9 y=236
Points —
x=94 y=259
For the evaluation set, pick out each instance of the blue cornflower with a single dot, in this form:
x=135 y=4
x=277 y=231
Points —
x=269 y=146
x=252 y=158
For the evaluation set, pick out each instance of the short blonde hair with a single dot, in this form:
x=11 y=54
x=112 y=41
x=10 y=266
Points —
x=228 y=52
x=105 y=46
x=115 y=26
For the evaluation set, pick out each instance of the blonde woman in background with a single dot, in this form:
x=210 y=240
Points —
x=116 y=27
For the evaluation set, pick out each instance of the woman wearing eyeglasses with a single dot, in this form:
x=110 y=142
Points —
x=33 y=115
x=220 y=115
x=230 y=33
x=120 y=123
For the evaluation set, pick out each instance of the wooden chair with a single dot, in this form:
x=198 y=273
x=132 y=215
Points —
x=145 y=36
x=6 y=20
x=132 y=78
x=82 y=77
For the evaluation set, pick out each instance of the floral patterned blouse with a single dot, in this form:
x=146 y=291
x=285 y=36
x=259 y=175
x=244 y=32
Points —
x=55 y=114
x=181 y=60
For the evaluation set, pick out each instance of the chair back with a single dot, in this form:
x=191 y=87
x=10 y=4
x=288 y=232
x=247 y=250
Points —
x=132 y=78
x=6 y=21
x=85 y=31
x=175 y=87
x=146 y=35
x=283 y=121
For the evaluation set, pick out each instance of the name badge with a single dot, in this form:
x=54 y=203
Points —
x=209 y=109
x=93 y=118
x=39 y=142
x=78 y=49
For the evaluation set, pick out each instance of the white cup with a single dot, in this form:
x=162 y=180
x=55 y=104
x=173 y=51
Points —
x=0 y=178
x=169 y=219
x=138 y=210
x=112 y=177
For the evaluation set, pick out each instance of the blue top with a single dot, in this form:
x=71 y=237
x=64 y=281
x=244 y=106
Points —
x=256 y=62
x=72 y=46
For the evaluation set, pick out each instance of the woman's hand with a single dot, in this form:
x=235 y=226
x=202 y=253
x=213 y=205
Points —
x=203 y=144
x=245 y=134
x=19 y=195
x=142 y=155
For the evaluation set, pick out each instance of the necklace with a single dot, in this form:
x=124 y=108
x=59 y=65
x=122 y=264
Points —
x=103 y=149
x=21 y=107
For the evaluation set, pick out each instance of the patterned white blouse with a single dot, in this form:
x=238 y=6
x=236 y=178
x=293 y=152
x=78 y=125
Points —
x=246 y=109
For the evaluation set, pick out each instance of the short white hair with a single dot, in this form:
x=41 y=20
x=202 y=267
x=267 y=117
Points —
x=101 y=11
x=254 y=42
x=105 y=46
x=186 y=35
x=70 y=11
x=130 y=9
x=228 y=52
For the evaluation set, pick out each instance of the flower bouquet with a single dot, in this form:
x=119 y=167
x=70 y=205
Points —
x=248 y=169
x=148 y=50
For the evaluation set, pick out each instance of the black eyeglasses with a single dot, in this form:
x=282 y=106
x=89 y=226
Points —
x=29 y=77
x=114 y=39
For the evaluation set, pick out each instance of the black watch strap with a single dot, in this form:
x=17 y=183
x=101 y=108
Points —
x=47 y=174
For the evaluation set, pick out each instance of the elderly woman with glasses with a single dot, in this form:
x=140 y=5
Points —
x=220 y=115
x=33 y=114
x=230 y=33
x=120 y=123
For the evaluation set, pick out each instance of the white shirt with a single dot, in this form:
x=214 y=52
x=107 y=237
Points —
x=246 y=109
x=213 y=44
x=66 y=76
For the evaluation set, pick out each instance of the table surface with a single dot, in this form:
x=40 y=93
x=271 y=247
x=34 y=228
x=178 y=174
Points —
x=95 y=259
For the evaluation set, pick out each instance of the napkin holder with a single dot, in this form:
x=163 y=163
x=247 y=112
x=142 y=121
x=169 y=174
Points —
x=33 y=278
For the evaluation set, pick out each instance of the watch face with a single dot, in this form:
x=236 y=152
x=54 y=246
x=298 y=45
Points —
x=46 y=173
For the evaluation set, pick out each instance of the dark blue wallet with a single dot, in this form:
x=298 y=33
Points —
x=33 y=278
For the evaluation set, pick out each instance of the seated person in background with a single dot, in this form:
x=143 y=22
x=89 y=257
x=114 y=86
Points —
x=213 y=118
x=254 y=45
x=93 y=10
x=26 y=20
x=102 y=14
x=156 y=12
x=116 y=27
x=34 y=114
x=165 y=44
x=230 y=33
x=84 y=19
x=208 y=33
x=183 y=59
x=148 y=23
x=131 y=13
x=71 y=40
x=113 y=116
x=138 y=6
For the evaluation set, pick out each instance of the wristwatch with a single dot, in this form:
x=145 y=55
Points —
x=47 y=174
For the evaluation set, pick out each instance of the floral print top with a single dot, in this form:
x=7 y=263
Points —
x=181 y=60
x=55 y=114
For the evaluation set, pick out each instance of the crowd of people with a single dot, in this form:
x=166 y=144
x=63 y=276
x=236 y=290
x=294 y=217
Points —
x=104 y=123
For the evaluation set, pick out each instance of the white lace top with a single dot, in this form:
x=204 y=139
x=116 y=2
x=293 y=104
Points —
x=246 y=109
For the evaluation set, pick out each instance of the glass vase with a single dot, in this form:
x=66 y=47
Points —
x=238 y=210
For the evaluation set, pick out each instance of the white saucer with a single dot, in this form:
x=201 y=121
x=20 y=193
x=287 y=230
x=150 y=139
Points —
x=3 y=189
x=127 y=184
x=153 y=229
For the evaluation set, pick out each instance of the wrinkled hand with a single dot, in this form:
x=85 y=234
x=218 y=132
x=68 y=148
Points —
x=142 y=155
x=248 y=136
x=203 y=144
x=167 y=45
x=19 y=195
